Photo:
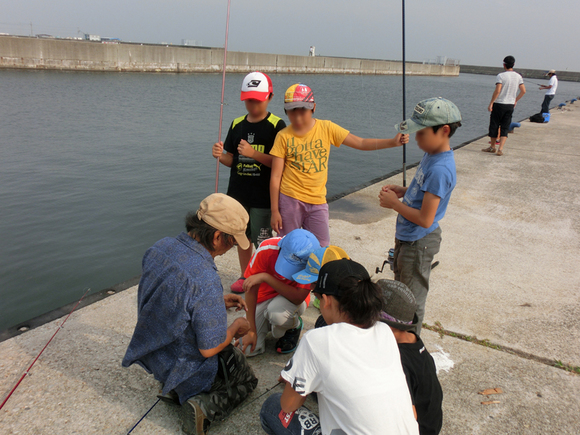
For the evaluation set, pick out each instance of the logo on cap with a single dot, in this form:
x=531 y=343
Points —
x=403 y=126
x=254 y=83
x=420 y=110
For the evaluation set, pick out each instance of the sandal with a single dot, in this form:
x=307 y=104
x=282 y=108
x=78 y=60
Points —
x=490 y=149
x=499 y=153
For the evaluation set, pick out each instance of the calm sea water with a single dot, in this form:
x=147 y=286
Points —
x=96 y=167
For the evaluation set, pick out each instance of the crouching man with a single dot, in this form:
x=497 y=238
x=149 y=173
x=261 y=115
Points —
x=182 y=336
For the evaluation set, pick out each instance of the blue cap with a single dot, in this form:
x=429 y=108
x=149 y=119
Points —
x=430 y=113
x=316 y=260
x=295 y=248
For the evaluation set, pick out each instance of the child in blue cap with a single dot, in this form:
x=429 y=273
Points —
x=274 y=299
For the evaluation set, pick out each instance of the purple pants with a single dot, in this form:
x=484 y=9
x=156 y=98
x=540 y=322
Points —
x=312 y=217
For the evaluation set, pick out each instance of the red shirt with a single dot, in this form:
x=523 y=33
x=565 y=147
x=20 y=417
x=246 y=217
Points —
x=264 y=261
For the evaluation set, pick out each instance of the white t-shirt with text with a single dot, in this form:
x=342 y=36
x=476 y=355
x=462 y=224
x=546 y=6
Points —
x=510 y=81
x=554 y=83
x=358 y=377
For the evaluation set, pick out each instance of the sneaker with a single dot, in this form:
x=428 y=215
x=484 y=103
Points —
x=238 y=286
x=289 y=342
x=316 y=302
x=193 y=419
x=171 y=397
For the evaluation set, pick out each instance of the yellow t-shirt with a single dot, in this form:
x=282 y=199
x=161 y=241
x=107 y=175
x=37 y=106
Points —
x=306 y=160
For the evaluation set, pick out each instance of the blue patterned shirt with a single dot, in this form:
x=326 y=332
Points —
x=181 y=309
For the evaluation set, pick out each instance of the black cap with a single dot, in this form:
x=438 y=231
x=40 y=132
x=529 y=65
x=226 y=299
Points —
x=400 y=305
x=334 y=272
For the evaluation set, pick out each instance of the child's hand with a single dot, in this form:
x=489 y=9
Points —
x=245 y=149
x=401 y=139
x=253 y=280
x=217 y=150
x=388 y=198
x=276 y=221
x=399 y=190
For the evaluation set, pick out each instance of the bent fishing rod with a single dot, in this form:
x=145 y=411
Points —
x=217 y=169
x=43 y=349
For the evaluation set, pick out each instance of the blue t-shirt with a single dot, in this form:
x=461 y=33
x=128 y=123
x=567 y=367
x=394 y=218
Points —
x=436 y=175
x=181 y=309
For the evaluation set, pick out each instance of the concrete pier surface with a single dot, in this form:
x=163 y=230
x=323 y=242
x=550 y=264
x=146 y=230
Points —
x=508 y=275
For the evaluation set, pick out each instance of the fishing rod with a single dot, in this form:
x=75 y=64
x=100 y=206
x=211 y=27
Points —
x=144 y=415
x=217 y=169
x=535 y=83
x=404 y=96
x=45 y=346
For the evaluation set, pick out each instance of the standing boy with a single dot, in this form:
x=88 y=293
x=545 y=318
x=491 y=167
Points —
x=551 y=90
x=418 y=235
x=300 y=165
x=503 y=101
x=418 y=365
x=248 y=143
x=275 y=301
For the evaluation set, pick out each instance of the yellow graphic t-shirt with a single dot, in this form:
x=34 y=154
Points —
x=306 y=160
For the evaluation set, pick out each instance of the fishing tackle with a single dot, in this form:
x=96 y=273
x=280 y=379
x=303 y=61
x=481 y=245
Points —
x=217 y=170
x=40 y=353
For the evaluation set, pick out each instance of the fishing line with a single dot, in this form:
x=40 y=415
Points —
x=144 y=415
x=217 y=170
x=535 y=83
x=404 y=93
x=45 y=346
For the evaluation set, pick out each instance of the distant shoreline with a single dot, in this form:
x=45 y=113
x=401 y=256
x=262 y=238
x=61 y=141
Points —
x=24 y=52
x=527 y=73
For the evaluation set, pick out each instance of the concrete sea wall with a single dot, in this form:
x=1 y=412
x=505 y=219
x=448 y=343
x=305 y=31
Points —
x=570 y=76
x=74 y=55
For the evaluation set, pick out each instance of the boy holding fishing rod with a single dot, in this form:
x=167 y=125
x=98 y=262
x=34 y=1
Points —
x=418 y=235
x=247 y=146
x=300 y=165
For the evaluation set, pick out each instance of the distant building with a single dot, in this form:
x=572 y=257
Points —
x=89 y=37
x=191 y=42
x=312 y=51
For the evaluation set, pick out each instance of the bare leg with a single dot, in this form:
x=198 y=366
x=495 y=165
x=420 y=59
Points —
x=245 y=255
x=502 y=142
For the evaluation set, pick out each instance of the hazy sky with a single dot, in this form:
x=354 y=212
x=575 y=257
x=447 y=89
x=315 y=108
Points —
x=540 y=34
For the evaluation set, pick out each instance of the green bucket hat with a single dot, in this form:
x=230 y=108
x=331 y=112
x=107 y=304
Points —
x=430 y=113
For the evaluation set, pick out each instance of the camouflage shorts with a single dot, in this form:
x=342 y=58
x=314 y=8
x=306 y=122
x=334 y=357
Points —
x=235 y=380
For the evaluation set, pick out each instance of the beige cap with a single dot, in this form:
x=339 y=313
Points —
x=552 y=71
x=226 y=214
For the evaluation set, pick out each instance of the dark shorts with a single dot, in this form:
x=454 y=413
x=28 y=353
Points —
x=501 y=117
x=259 y=228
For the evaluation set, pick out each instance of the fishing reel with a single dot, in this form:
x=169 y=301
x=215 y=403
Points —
x=391 y=260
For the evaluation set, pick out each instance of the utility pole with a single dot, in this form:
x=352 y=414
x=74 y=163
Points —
x=31 y=32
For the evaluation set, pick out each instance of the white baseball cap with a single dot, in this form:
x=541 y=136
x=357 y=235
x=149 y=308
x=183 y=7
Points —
x=256 y=86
